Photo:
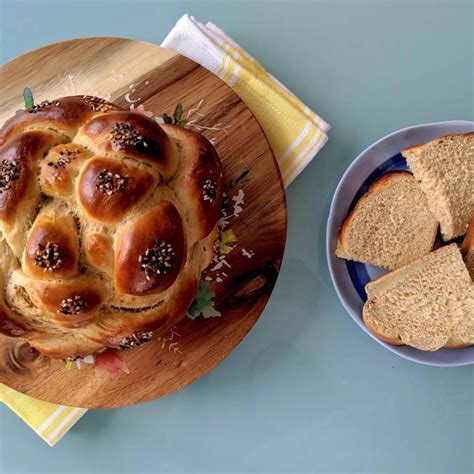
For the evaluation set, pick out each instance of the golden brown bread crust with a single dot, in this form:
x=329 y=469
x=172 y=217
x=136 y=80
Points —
x=18 y=159
x=128 y=134
x=64 y=115
x=396 y=341
x=419 y=145
x=156 y=234
x=98 y=251
x=60 y=298
x=106 y=223
x=202 y=166
x=99 y=201
x=61 y=231
x=59 y=168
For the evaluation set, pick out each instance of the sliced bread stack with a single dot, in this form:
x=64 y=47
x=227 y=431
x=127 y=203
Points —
x=427 y=301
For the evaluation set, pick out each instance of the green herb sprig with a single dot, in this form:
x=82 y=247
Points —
x=176 y=119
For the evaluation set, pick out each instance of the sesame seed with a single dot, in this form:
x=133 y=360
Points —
x=40 y=107
x=137 y=339
x=110 y=183
x=48 y=257
x=97 y=104
x=64 y=159
x=209 y=189
x=73 y=305
x=124 y=134
x=9 y=171
x=156 y=260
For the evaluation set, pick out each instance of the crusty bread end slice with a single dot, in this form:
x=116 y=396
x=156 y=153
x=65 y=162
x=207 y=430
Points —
x=428 y=304
x=390 y=226
x=445 y=170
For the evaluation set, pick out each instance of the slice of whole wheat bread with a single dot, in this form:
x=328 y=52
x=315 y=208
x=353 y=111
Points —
x=428 y=304
x=391 y=224
x=467 y=248
x=445 y=170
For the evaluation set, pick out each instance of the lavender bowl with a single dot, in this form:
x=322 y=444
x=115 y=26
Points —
x=350 y=278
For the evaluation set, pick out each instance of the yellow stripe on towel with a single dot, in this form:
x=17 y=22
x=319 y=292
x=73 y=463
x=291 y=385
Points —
x=294 y=132
x=48 y=420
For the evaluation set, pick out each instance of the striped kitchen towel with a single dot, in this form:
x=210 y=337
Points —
x=295 y=133
x=50 y=421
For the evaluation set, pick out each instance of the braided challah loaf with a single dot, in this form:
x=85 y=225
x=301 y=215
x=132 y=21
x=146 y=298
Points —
x=106 y=222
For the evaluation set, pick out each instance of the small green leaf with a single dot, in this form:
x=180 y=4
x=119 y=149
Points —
x=68 y=364
x=182 y=123
x=178 y=112
x=203 y=304
x=167 y=119
x=28 y=98
x=226 y=239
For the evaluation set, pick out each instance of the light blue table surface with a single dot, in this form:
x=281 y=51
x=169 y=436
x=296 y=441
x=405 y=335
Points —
x=307 y=390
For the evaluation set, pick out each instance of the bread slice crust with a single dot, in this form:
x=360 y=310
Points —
x=452 y=343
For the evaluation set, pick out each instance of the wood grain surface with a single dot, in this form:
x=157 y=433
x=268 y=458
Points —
x=127 y=72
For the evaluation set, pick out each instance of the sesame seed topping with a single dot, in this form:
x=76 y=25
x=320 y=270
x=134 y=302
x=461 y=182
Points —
x=156 y=260
x=72 y=306
x=137 y=339
x=65 y=157
x=39 y=107
x=97 y=104
x=124 y=134
x=110 y=183
x=9 y=171
x=209 y=189
x=48 y=257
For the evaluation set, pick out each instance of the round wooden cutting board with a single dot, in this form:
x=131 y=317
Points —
x=154 y=80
